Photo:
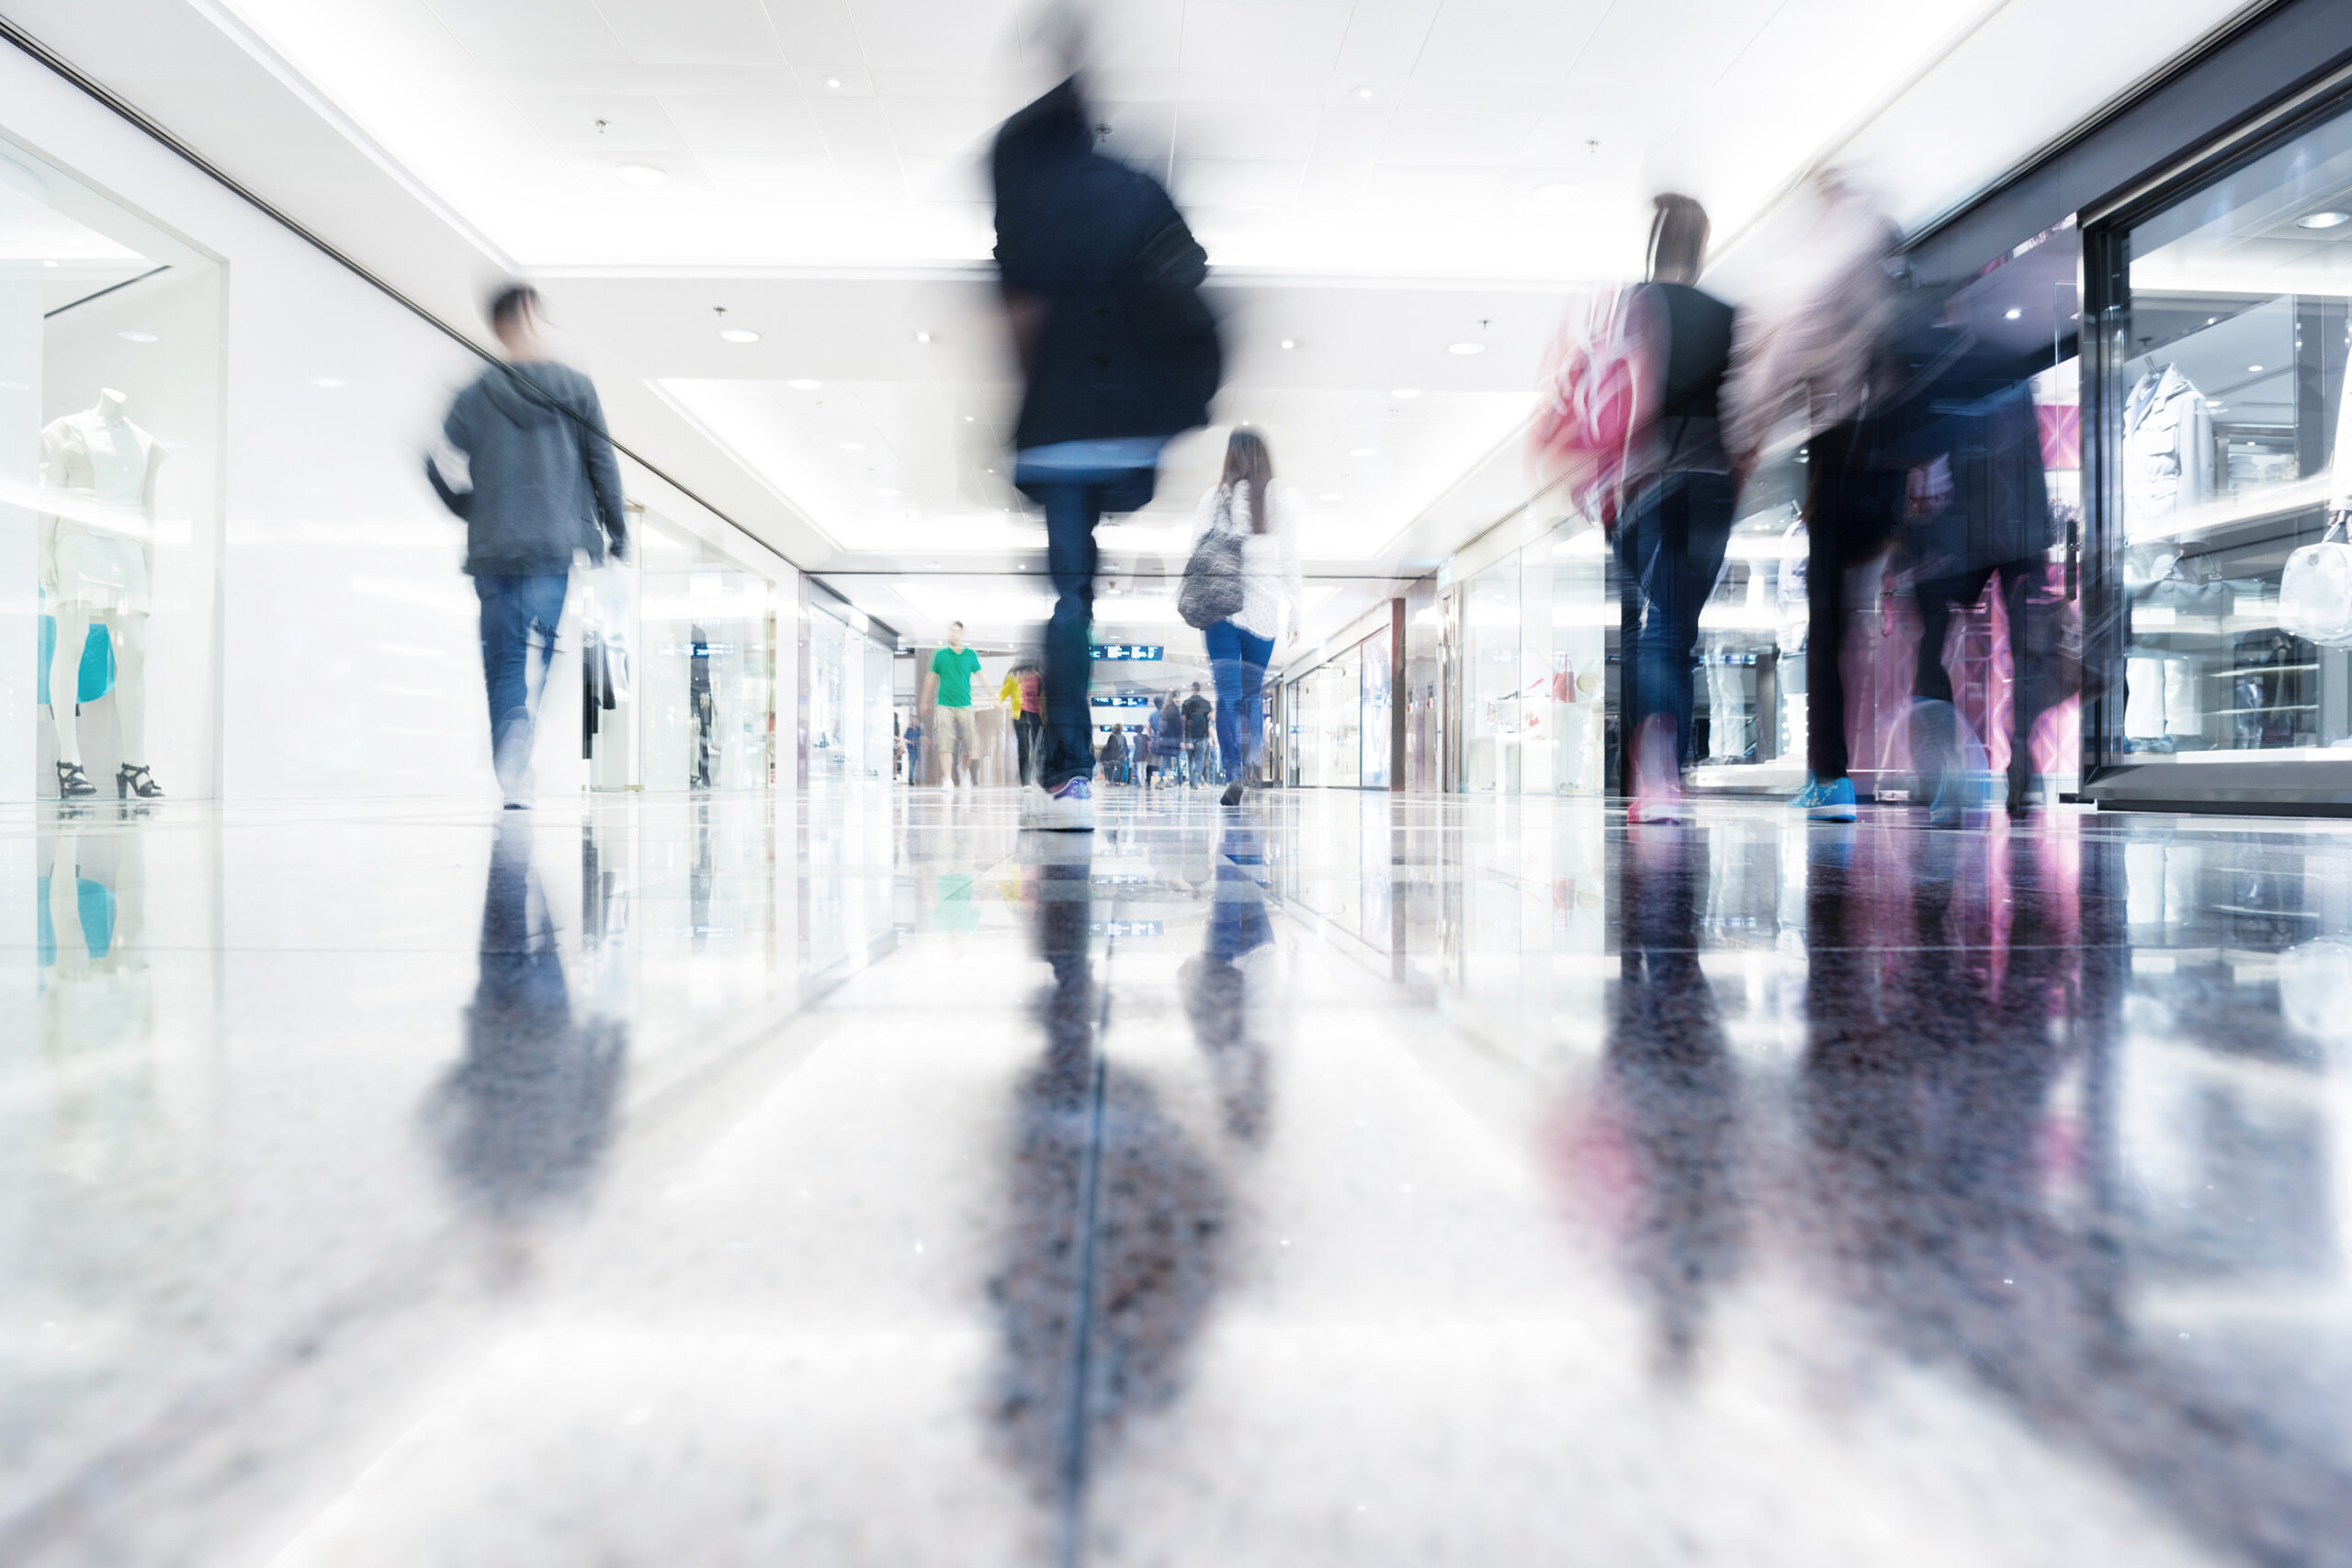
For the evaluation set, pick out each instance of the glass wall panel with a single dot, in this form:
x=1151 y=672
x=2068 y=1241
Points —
x=1572 y=609
x=110 y=435
x=1493 y=709
x=1375 y=707
x=707 y=712
x=2232 y=450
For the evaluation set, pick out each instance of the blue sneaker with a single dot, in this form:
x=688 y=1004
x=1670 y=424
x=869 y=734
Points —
x=1069 y=810
x=1832 y=801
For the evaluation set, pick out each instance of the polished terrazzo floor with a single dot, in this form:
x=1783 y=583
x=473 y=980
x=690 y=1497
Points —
x=1345 y=1178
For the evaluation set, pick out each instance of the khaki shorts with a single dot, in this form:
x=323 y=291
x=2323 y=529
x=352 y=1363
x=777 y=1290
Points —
x=957 y=731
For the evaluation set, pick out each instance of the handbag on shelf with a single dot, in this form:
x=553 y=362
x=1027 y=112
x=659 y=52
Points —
x=1212 y=588
x=2315 y=591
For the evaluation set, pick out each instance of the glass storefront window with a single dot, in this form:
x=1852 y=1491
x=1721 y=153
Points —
x=706 y=714
x=1491 y=683
x=2227 y=418
x=1375 y=704
x=110 y=414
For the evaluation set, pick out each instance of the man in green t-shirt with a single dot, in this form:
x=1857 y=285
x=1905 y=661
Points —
x=953 y=732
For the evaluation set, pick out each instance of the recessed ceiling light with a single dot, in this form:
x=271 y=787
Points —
x=1404 y=394
x=2012 y=313
x=640 y=174
x=739 y=334
x=922 y=337
x=803 y=384
x=852 y=445
x=2254 y=370
x=48 y=264
x=1364 y=452
x=834 y=81
x=1290 y=342
x=1554 y=191
x=329 y=382
x=2324 y=220
x=135 y=337
x=1466 y=346
x=2210 y=319
x=1367 y=92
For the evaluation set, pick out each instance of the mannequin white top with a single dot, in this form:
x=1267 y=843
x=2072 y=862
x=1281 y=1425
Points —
x=96 y=546
x=1269 y=578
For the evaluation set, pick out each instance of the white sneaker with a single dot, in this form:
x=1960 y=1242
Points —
x=1069 y=810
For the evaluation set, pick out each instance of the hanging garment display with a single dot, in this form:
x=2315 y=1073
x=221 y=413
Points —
x=2167 y=448
x=98 y=546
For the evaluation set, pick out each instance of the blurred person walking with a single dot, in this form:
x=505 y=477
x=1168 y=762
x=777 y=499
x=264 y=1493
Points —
x=1022 y=695
x=949 y=695
x=1816 y=370
x=1100 y=278
x=1241 y=581
x=1680 y=493
x=1167 y=737
x=543 y=487
x=1199 y=714
x=914 y=751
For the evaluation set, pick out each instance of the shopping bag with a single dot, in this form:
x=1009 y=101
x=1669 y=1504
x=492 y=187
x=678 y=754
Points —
x=2315 y=591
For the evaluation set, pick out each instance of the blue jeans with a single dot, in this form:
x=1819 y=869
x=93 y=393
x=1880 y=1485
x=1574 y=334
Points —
x=512 y=608
x=1074 y=501
x=1239 y=660
x=1671 y=544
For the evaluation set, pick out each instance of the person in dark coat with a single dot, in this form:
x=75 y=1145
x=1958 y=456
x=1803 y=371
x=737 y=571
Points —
x=1100 y=278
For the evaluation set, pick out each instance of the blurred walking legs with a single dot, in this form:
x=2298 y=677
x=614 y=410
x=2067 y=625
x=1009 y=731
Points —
x=1671 y=546
x=1238 y=661
x=513 y=609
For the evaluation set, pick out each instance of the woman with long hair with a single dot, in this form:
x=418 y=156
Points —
x=1248 y=500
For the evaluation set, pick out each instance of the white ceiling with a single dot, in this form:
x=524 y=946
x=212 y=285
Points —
x=1365 y=174
x=1337 y=136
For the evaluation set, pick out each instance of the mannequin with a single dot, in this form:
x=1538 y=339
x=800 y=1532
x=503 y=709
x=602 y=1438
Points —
x=96 y=564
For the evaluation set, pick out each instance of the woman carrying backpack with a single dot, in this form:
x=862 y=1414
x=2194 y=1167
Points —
x=1245 y=566
x=1678 y=491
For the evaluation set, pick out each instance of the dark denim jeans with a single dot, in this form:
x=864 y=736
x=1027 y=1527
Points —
x=1074 y=503
x=512 y=608
x=1238 y=661
x=1671 y=546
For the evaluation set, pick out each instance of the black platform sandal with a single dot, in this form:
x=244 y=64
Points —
x=72 y=783
x=129 y=780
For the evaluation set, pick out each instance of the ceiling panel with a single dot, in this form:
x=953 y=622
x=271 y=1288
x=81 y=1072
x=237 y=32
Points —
x=1453 y=136
x=498 y=31
x=934 y=34
x=705 y=32
x=1293 y=39
x=1251 y=131
x=1506 y=43
x=1207 y=182
x=1384 y=39
x=744 y=122
x=575 y=122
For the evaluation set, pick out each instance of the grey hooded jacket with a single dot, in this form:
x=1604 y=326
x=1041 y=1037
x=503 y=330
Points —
x=543 y=471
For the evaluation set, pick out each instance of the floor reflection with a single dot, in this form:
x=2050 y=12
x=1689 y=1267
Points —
x=1116 y=1240
x=525 y=1119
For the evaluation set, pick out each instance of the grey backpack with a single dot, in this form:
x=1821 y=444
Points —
x=1212 y=588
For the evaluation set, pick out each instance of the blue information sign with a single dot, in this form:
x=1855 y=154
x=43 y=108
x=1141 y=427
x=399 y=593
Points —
x=1129 y=653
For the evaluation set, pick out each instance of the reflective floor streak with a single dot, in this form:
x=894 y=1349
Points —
x=1343 y=1178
